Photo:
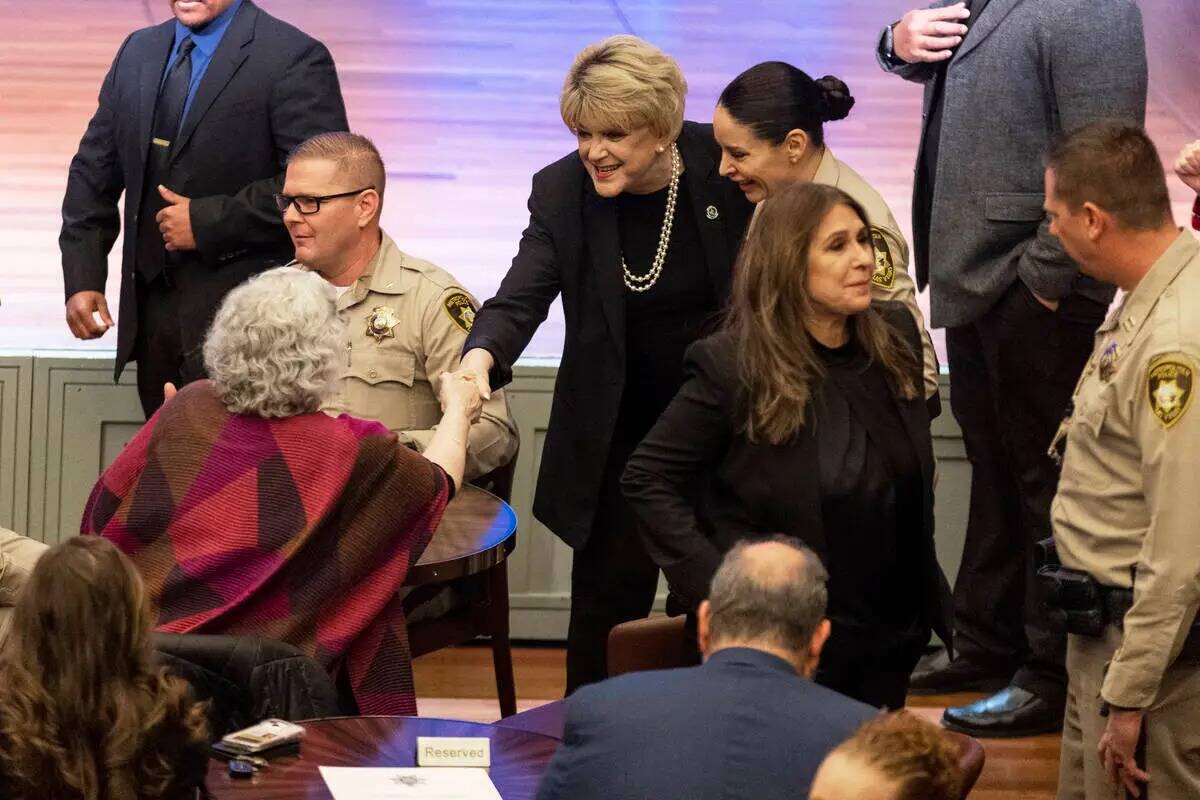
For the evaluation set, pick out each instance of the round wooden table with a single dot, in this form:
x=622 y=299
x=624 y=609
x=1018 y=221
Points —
x=475 y=535
x=469 y=548
x=518 y=757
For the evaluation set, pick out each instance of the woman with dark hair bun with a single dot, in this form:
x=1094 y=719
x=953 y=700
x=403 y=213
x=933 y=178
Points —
x=770 y=123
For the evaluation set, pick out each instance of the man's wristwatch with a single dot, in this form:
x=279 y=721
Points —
x=887 y=46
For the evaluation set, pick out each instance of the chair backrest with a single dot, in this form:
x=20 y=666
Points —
x=646 y=644
x=248 y=678
x=971 y=757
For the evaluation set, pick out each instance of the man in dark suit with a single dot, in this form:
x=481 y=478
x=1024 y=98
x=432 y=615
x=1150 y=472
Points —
x=747 y=724
x=196 y=118
x=1002 y=78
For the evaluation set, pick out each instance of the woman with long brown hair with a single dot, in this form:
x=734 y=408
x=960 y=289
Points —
x=83 y=712
x=806 y=416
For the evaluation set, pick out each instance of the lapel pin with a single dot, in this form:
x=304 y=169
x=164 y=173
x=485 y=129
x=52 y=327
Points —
x=711 y=212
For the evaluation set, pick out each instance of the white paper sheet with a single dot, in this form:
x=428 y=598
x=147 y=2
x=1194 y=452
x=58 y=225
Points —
x=409 y=783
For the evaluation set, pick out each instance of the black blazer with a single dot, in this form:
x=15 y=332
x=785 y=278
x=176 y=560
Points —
x=572 y=248
x=699 y=486
x=268 y=87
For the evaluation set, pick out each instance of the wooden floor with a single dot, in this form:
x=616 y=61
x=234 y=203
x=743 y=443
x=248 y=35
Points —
x=461 y=96
x=458 y=683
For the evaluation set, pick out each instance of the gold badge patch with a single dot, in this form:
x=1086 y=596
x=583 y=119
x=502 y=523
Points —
x=460 y=310
x=381 y=322
x=885 y=269
x=1169 y=383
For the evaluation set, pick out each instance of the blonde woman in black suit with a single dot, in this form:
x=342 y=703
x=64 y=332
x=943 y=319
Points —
x=637 y=233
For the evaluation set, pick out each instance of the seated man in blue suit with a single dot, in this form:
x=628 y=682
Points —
x=748 y=723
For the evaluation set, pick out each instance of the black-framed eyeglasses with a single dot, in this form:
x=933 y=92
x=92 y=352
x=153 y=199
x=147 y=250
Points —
x=311 y=205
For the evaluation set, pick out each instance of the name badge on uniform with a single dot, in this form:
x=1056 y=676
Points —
x=381 y=323
x=1108 y=361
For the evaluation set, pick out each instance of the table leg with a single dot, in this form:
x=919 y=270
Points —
x=506 y=689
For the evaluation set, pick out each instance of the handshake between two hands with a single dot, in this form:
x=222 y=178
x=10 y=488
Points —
x=464 y=391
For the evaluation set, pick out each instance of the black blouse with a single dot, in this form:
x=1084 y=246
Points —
x=871 y=494
x=663 y=321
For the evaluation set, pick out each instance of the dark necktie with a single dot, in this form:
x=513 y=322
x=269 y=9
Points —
x=168 y=113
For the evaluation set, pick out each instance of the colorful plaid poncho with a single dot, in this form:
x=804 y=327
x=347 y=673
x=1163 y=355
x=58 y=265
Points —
x=299 y=529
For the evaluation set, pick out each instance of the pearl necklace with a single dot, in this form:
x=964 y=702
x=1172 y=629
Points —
x=642 y=283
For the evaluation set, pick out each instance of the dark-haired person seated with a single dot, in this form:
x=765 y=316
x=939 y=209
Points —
x=249 y=511
x=1187 y=167
x=806 y=416
x=893 y=757
x=83 y=714
x=749 y=722
x=770 y=123
x=18 y=555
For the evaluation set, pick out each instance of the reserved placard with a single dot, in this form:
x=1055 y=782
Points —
x=453 y=751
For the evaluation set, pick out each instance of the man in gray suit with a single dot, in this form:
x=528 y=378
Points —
x=1002 y=78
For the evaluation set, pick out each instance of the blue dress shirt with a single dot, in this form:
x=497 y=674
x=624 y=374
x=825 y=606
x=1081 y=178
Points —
x=206 y=39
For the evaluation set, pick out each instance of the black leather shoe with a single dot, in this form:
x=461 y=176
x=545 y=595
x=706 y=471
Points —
x=940 y=675
x=1010 y=712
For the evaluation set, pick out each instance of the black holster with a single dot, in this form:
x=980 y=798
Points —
x=1075 y=594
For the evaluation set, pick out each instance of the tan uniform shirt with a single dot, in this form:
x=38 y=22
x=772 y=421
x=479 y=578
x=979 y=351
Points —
x=18 y=557
x=891 y=280
x=407 y=320
x=1130 y=488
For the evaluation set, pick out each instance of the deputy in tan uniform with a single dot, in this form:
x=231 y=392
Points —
x=406 y=319
x=18 y=556
x=769 y=122
x=1125 y=516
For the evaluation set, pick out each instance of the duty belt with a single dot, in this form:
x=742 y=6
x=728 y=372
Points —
x=1089 y=607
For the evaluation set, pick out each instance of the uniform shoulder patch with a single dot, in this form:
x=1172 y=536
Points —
x=885 y=269
x=1169 y=382
x=460 y=309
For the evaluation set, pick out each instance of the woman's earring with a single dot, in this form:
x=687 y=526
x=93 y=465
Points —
x=661 y=149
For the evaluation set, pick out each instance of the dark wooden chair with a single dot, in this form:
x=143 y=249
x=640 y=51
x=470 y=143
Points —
x=970 y=759
x=651 y=643
x=475 y=605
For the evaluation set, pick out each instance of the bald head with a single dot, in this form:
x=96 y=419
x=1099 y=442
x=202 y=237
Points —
x=770 y=592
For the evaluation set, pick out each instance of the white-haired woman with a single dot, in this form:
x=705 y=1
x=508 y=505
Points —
x=249 y=511
x=637 y=233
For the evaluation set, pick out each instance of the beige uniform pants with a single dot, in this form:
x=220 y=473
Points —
x=18 y=554
x=1171 y=729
